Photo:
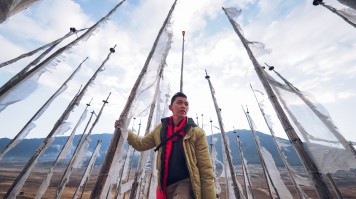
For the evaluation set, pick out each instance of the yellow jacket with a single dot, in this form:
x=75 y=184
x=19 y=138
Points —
x=196 y=153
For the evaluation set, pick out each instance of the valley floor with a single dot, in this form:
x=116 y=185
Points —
x=346 y=182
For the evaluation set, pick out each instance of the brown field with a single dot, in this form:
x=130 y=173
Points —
x=346 y=182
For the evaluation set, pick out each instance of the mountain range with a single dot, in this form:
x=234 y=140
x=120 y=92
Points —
x=24 y=150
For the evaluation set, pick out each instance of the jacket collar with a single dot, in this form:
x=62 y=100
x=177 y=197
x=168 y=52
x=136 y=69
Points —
x=188 y=133
x=190 y=122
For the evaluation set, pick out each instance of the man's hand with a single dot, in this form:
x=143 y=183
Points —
x=116 y=123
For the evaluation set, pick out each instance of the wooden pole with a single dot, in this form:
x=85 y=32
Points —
x=69 y=141
x=38 y=114
x=212 y=154
x=181 y=70
x=332 y=9
x=18 y=78
x=211 y=138
x=69 y=169
x=85 y=129
x=263 y=163
x=143 y=161
x=133 y=153
x=328 y=123
x=114 y=146
x=196 y=114
x=352 y=147
x=127 y=156
x=88 y=170
x=225 y=139
x=10 y=7
x=248 y=184
x=285 y=162
x=153 y=155
x=153 y=161
x=51 y=44
x=21 y=178
x=318 y=181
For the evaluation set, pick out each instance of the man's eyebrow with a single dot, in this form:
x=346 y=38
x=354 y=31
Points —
x=180 y=100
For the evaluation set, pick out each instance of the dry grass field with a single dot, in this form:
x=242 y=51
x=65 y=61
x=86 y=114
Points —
x=346 y=182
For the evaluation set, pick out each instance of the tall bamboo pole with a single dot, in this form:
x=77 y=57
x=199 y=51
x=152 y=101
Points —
x=333 y=10
x=285 y=162
x=153 y=161
x=61 y=155
x=211 y=138
x=248 y=184
x=133 y=153
x=334 y=186
x=197 y=118
x=88 y=170
x=305 y=136
x=51 y=44
x=38 y=114
x=23 y=73
x=17 y=185
x=20 y=180
x=263 y=163
x=119 y=182
x=213 y=160
x=10 y=7
x=328 y=124
x=225 y=139
x=181 y=70
x=16 y=80
x=242 y=163
x=318 y=181
x=68 y=170
x=352 y=147
x=142 y=161
x=153 y=155
x=127 y=156
x=114 y=146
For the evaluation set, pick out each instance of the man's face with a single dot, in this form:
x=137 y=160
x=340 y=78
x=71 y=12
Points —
x=180 y=107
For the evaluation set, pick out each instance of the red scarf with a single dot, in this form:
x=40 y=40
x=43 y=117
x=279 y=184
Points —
x=161 y=194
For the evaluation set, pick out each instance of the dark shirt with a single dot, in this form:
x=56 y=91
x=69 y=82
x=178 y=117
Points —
x=177 y=166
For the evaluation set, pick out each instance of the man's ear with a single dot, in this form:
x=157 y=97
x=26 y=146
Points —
x=170 y=107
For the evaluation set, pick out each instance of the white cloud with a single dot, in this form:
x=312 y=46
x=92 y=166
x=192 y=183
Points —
x=311 y=47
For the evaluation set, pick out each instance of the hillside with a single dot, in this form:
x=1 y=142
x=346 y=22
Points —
x=24 y=150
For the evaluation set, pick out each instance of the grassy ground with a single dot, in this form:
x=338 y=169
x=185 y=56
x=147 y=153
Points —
x=346 y=182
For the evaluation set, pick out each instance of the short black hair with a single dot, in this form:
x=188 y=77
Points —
x=178 y=94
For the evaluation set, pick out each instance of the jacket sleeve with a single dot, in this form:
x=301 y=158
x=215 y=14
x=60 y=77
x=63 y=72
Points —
x=142 y=143
x=205 y=167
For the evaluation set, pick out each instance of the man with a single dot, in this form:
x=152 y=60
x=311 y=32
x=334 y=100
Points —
x=183 y=161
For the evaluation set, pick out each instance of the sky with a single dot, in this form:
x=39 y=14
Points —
x=310 y=46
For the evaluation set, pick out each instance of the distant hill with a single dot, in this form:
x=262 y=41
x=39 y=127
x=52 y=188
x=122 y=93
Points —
x=24 y=150
x=249 y=147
